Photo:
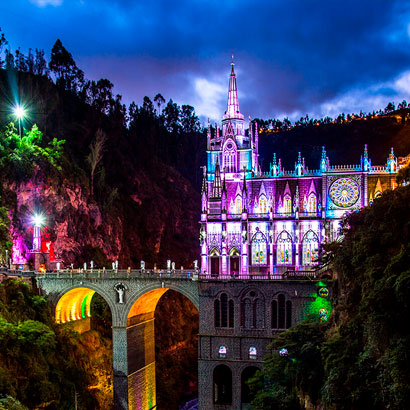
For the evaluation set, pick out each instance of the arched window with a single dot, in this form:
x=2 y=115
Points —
x=246 y=314
x=222 y=352
x=222 y=379
x=217 y=313
x=259 y=249
x=263 y=204
x=310 y=248
x=281 y=313
x=274 y=314
x=229 y=157
x=231 y=314
x=224 y=311
x=312 y=203
x=252 y=311
x=238 y=205
x=287 y=204
x=284 y=249
x=253 y=353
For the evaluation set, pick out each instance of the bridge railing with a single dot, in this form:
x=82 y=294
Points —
x=192 y=274
x=122 y=273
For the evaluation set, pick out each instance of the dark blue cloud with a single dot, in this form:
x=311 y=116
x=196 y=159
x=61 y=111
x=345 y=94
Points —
x=291 y=56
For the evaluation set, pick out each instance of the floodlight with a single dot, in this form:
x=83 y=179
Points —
x=19 y=111
x=38 y=220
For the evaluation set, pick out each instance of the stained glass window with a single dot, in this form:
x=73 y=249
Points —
x=253 y=353
x=312 y=203
x=284 y=249
x=238 y=205
x=287 y=204
x=259 y=249
x=262 y=204
x=310 y=248
x=344 y=192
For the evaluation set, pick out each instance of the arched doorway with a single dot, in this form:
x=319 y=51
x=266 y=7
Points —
x=246 y=394
x=222 y=380
x=234 y=258
x=215 y=262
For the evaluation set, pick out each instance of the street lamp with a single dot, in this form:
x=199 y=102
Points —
x=19 y=112
x=38 y=221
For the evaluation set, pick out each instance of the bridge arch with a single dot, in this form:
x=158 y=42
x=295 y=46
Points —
x=150 y=295
x=73 y=302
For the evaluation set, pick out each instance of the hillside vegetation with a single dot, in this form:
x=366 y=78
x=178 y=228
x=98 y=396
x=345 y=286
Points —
x=358 y=360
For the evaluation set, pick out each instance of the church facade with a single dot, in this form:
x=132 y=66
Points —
x=270 y=223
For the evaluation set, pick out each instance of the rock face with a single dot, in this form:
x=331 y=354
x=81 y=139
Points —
x=156 y=220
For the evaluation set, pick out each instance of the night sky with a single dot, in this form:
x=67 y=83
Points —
x=292 y=57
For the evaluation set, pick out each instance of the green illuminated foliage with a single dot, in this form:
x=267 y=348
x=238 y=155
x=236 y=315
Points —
x=19 y=156
x=359 y=358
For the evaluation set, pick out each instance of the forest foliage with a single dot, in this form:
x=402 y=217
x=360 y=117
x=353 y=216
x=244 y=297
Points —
x=42 y=365
x=359 y=359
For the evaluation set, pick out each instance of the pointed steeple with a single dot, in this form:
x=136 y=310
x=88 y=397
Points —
x=232 y=110
x=217 y=188
x=365 y=160
x=324 y=162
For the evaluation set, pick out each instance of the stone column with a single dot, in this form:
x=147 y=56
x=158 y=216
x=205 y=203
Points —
x=120 y=367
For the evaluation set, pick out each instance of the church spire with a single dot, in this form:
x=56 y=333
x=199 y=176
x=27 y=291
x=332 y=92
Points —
x=232 y=110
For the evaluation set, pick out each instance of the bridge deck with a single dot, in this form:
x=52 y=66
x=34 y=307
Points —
x=161 y=274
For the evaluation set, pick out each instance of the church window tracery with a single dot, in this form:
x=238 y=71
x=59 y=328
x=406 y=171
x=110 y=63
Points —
x=263 y=209
x=310 y=245
x=312 y=203
x=287 y=204
x=284 y=248
x=238 y=205
x=259 y=249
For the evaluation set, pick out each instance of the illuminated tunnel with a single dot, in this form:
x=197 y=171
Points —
x=74 y=305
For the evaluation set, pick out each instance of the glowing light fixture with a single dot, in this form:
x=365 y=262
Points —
x=20 y=113
x=38 y=219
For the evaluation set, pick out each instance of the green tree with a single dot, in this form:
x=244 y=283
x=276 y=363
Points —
x=20 y=155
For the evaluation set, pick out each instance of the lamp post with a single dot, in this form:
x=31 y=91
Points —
x=38 y=221
x=19 y=113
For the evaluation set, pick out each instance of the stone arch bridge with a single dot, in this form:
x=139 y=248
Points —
x=132 y=297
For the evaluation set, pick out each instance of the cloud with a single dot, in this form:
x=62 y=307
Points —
x=209 y=98
x=44 y=3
